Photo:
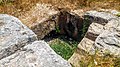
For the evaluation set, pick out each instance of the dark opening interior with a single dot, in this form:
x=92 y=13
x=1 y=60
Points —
x=70 y=31
x=68 y=25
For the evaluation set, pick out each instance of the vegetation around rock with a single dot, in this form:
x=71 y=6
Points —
x=64 y=48
x=83 y=33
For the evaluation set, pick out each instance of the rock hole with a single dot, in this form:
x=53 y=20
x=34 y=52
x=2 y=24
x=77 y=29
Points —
x=70 y=29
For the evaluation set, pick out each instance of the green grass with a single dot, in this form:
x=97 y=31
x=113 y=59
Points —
x=63 y=48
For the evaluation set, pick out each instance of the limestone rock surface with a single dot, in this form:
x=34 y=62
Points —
x=13 y=35
x=37 y=54
x=103 y=35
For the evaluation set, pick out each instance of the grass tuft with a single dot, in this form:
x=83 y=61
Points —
x=63 y=48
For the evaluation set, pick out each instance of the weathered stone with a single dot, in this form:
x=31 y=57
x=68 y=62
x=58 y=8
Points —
x=86 y=44
x=13 y=35
x=103 y=35
x=108 y=43
x=39 y=19
x=94 y=30
x=99 y=17
x=109 y=40
x=113 y=25
x=43 y=28
x=98 y=31
x=43 y=18
x=37 y=54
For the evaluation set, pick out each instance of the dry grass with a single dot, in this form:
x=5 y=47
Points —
x=83 y=59
x=19 y=7
x=16 y=7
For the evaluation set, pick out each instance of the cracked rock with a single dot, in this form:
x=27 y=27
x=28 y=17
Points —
x=37 y=54
x=13 y=35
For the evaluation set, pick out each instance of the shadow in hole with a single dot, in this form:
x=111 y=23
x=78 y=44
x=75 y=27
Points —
x=69 y=26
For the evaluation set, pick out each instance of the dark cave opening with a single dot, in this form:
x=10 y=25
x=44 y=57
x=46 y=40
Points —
x=69 y=31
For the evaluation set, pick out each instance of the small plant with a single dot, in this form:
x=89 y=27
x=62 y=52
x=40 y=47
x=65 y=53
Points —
x=57 y=29
x=63 y=48
x=118 y=14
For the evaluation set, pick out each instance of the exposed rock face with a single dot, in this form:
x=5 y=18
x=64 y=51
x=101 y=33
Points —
x=43 y=28
x=98 y=21
x=109 y=40
x=103 y=35
x=13 y=35
x=19 y=47
x=44 y=18
x=37 y=54
x=99 y=17
x=102 y=22
x=39 y=19
x=94 y=30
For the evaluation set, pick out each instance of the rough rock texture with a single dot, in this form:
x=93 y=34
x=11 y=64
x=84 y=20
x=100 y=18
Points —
x=13 y=35
x=100 y=21
x=109 y=40
x=43 y=28
x=43 y=18
x=103 y=34
x=94 y=30
x=37 y=54
x=39 y=19
x=99 y=17
x=19 y=47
